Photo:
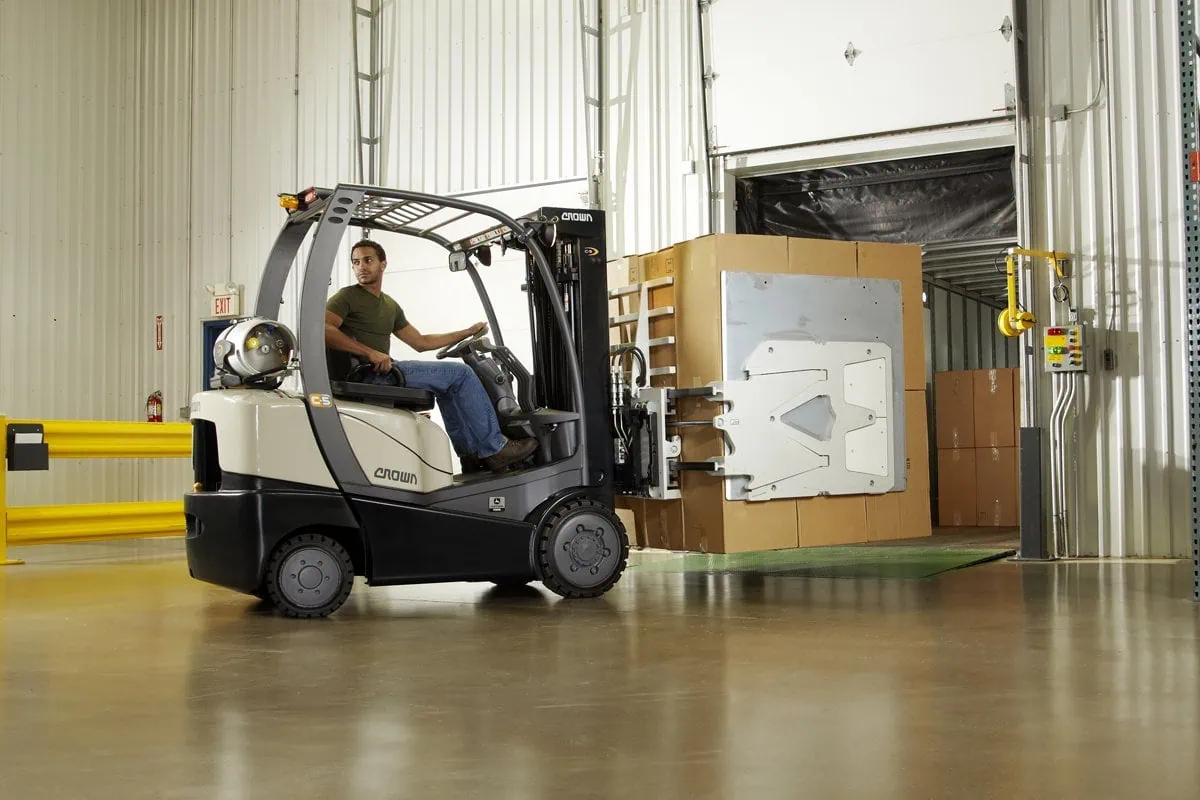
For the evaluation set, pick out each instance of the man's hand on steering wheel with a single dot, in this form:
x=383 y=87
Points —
x=382 y=362
x=459 y=348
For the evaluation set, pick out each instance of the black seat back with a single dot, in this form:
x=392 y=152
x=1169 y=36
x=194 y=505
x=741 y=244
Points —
x=339 y=364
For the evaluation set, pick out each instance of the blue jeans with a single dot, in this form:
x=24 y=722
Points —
x=467 y=410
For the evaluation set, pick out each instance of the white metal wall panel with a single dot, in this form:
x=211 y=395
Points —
x=264 y=129
x=654 y=184
x=261 y=96
x=482 y=94
x=239 y=101
x=210 y=211
x=68 y=296
x=163 y=174
x=1125 y=230
x=783 y=77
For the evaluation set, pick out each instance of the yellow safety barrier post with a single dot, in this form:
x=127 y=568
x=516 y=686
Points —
x=5 y=561
x=95 y=521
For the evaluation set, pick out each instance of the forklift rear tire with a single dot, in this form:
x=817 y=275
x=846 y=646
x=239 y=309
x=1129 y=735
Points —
x=581 y=549
x=309 y=575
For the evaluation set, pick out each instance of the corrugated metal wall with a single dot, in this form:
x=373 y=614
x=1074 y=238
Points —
x=241 y=101
x=68 y=293
x=655 y=184
x=482 y=94
x=1125 y=229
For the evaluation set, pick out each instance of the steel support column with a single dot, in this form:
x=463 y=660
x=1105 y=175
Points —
x=1191 y=208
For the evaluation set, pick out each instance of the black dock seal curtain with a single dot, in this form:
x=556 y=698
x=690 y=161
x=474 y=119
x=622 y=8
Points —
x=955 y=197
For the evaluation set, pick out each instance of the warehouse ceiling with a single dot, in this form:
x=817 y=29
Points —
x=961 y=208
x=973 y=268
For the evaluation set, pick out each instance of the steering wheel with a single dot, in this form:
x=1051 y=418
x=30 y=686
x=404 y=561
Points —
x=462 y=346
x=355 y=375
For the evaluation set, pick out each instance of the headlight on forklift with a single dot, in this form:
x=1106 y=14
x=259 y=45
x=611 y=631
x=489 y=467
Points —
x=289 y=201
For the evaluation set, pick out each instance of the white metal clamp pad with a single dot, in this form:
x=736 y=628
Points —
x=810 y=418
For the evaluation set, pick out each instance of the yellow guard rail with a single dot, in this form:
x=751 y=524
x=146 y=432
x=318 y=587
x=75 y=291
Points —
x=94 y=521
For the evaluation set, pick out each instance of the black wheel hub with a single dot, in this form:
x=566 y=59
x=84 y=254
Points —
x=309 y=577
x=586 y=550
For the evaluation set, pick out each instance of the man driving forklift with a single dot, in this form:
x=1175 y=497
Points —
x=360 y=320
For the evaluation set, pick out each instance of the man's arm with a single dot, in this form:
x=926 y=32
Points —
x=423 y=342
x=336 y=340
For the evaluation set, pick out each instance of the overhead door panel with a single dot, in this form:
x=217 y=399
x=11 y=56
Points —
x=797 y=72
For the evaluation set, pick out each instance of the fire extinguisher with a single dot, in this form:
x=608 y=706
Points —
x=154 y=407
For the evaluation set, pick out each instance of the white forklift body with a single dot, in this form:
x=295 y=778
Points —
x=266 y=433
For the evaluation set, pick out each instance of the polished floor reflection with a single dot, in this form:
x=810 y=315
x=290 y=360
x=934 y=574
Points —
x=122 y=678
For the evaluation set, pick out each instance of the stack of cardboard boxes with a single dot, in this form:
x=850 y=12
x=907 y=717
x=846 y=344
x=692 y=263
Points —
x=703 y=520
x=977 y=419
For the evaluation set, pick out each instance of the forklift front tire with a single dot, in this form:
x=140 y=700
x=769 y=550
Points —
x=309 y=575
x=581 y=549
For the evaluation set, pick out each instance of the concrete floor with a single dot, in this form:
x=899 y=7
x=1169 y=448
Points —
x=122 y=678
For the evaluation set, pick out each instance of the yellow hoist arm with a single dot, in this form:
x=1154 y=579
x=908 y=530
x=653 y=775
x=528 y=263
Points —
x=1013 y=320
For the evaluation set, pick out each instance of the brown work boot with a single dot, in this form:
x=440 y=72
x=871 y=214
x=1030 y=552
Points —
x=514 y=450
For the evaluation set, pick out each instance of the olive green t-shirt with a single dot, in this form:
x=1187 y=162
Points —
x=366 y=318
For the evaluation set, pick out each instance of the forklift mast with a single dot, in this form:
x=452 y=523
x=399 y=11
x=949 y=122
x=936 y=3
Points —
x=579 y=263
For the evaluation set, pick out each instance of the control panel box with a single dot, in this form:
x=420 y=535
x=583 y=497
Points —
x=1063 y=348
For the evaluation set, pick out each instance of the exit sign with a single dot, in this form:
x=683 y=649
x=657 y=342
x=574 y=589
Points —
x=225 y=305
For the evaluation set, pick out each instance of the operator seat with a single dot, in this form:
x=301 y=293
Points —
x=342 y=365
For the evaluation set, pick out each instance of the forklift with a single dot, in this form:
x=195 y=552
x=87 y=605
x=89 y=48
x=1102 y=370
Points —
x=298 y=491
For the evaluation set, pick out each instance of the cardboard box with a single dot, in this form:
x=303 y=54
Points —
x=714 y=524
x=665 y=524
x=996 y=478
x=883 y=517
x=954 y=410
x=958 y=498
x=629 y=520
x=916 y=515
x=993 y=400
x=901 y=262
x=635 y=269
x=698 y=266
x=824 y=521
x=704 y=520
x=822 y=257
x=916 y=440
x=907 y=514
